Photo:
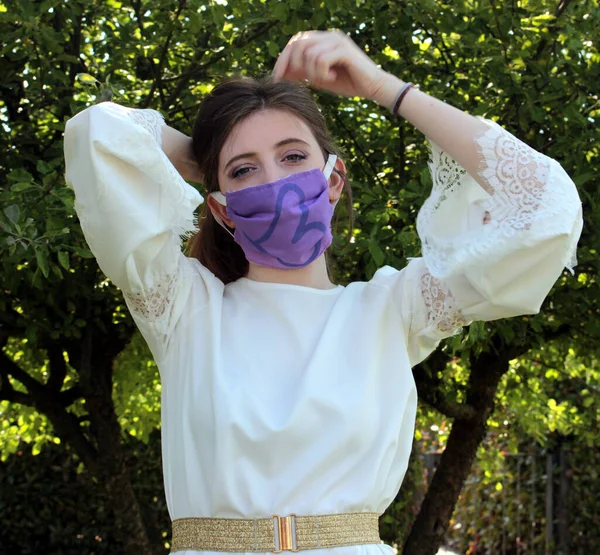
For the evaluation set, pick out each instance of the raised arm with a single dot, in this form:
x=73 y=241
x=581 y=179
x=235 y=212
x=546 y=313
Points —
x=454 y=131
x=502 y=220
x=133 y=206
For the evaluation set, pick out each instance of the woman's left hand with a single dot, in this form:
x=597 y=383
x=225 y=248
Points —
x=331 y=61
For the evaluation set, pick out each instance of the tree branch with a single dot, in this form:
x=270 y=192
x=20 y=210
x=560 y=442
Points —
x=429 y=388
x=9 y=368
x=65 y=423
x=163 y=57
x=137 y=9
x=195 y=63
x=58 y=368
x=13 y=396
x=9 y=393
x=560 y=8
x=68 y=397
x=451 y=409
x=199 y=69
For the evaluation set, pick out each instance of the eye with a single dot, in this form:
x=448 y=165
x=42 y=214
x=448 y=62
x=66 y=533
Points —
x=295 y=157
x=240 y=172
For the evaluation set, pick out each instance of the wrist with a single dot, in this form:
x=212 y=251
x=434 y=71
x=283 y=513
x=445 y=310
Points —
x=178 y=148
x=386 y=93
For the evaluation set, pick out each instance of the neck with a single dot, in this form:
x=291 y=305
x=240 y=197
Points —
x=314 y=275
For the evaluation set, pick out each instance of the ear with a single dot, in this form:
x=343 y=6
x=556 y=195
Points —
x=336 y=182
x=219 y=211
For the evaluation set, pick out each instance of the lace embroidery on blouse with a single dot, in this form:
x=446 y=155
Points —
x=446 y=174
x=514 y=175
x=442 y=312
x=152 y=305
x=517 y=176
x=151 y=120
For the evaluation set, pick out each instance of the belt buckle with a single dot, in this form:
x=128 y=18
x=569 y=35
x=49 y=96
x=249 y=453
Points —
x=287 y=536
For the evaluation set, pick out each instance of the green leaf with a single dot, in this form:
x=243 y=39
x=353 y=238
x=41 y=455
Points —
x=84 y=253
x=63 y=259
x=43 y=167
x=588 y=401
x=13 y=213
x=583 y=178
x=20 y=174
x=280 y=12
x=41 y=255
x=273 y=49
x=56 y=270
x=20 y=187
x=86 y=79
x=376 y=252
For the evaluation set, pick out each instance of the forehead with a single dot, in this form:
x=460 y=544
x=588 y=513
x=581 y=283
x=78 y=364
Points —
x=261 y=131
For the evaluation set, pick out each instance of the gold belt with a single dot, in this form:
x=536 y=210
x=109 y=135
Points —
x=275 y=534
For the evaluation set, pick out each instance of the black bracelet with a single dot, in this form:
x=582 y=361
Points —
x=405 y=88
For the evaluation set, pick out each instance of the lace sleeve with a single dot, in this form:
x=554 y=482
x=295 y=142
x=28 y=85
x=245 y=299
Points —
x=442 y=314
x=492 y=247
x=522 y=195
x=134 y=207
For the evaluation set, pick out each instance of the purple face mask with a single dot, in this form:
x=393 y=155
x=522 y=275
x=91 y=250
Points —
x=283 y=224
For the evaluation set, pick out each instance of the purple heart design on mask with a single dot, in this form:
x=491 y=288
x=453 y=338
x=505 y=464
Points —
x=283 y=224
x=301 y=230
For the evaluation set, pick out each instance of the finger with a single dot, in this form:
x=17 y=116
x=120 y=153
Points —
x=297 y=63
x=312 y=49
x=324 y=62
x=311 y=55
x=281 y=65
x=311 y=59
x=283 y=62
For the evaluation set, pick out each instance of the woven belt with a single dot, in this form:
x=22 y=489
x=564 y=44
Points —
x=275 y=534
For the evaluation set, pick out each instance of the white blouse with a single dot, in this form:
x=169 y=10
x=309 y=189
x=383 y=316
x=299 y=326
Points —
x=282 y=399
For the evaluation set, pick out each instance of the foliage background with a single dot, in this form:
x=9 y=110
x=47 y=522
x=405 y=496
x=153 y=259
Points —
x=533 y=65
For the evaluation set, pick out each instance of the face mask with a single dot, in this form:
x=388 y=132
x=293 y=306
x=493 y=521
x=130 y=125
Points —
x=283 y=224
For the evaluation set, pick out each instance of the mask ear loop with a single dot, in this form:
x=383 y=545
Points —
x=328 y=170
x=220 y=198
x=329 y=166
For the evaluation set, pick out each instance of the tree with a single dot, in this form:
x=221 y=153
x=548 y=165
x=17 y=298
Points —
x=532 y=66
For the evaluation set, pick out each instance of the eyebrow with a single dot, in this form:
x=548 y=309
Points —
x=280 y=143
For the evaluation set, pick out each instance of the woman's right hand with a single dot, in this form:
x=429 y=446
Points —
x=178 y=148
x=333 y=62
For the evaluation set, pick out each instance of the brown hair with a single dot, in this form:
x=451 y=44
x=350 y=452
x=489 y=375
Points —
x=222 y=109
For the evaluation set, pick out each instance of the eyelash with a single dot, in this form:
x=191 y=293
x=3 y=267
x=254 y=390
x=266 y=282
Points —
x=236 y=173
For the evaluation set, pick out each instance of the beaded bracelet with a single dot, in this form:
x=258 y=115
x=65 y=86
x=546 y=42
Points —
x=405 y=88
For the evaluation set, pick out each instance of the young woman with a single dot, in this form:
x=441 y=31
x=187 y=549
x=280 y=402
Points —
x=288 y=403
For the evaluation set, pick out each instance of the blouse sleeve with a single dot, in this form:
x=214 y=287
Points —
x=492 y=247
x=133 y=207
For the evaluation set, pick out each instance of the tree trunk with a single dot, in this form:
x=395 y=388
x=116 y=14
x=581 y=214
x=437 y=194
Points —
x=429 y=528
x=125 y=506
x=97 y=385
x=563 y=512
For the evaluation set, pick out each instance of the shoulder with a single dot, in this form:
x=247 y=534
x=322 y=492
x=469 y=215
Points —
x=383 y=277
x=383 y=282
x=197 y=270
